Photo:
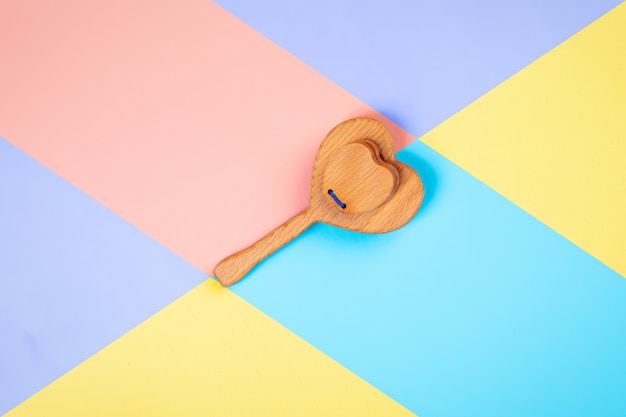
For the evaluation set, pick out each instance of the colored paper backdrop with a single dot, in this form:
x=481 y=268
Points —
x=142 y=142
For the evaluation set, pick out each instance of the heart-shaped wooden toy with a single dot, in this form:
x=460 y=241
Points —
x=357 y=184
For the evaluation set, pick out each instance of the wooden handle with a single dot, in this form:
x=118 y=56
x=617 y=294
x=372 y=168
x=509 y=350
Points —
x=236 y=266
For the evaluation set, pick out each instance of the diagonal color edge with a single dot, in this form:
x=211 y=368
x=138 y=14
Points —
x=552 y=139
x=209 y=353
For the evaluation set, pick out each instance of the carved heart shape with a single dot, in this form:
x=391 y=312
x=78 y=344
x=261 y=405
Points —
x=357 y=180
x=383 y=208
x=357 y=184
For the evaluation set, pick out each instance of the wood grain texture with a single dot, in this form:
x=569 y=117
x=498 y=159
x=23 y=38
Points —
x=358 y=178
x=236 y=266
x=355 y=161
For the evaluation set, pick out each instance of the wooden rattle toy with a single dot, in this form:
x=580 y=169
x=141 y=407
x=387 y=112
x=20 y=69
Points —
x=357 y=184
